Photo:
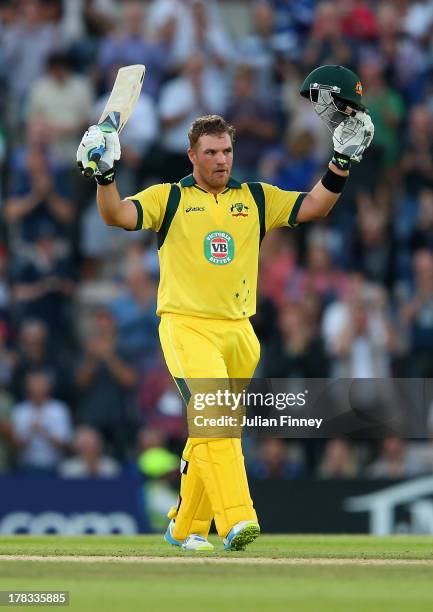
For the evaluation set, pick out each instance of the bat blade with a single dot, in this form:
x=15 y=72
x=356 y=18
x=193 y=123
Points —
x=119 y=107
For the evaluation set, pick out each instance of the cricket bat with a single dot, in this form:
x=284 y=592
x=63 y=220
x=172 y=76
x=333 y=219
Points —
x=119 y=107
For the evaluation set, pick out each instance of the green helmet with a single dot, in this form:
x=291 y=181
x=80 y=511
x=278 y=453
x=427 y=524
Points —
x=343 y=84
x=336 y=94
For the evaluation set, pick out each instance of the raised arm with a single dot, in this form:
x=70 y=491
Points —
x=113 y=210
x=319 y=202
x=321 y=199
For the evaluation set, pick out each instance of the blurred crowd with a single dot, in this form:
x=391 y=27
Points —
x=83 y=385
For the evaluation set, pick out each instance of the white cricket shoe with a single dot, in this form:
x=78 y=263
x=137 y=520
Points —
x=192 y=542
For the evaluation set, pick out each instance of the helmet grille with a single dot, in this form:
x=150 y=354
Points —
x=332 y=110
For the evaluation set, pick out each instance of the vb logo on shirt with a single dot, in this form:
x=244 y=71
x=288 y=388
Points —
x=219 y=248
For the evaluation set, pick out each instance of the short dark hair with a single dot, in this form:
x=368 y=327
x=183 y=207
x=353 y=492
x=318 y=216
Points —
x=59 y=59
x=209 y=124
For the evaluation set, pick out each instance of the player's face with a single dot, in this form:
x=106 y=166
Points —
x=212 y=158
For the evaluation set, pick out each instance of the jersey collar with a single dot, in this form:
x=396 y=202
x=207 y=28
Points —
x=189 y=181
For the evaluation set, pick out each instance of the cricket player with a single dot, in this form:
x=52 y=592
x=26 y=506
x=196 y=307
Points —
x=209 y=228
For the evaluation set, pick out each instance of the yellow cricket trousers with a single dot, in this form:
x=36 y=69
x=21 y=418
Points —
x=214 y=483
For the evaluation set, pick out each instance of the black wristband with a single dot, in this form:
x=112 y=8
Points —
x=333 y=182
x=105 y=179
x=341 y=161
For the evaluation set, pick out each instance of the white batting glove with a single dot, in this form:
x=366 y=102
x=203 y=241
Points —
x=104 y=143
x=93 y=140
x=351 y=138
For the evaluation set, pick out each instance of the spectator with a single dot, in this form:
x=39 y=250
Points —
x=60 y=107
x=43 y=284
x=41 y=425
x=161 y=405
x=134 y=314
x=5 y=297
x=193 y=93
x=357 y=332
x=292 y=23
x=372 y=247
x=192 y=26
x=299 y=112
x=326 y=43
x=417 y=314
x=297 y=351
x=386 y=108
x=85 y=23
x=418 y=19
x=104 y=380
x=99 y=16
x=38 y=197
x=35 y=351
x=26 y=43
x=319 y=275
x=417 y=159
x=292 y=166
x=6 y=327
x=89 y=459
x=358 y=20
x=6 y=432
x=403 y=57
x=422 y=234
x=394 y=461
x=128 y=45
x=338 y=460
x=276 y=459
x=211 y=38
x=259 y=51
x=278 y=259
x=7 y=357
x=255 y=124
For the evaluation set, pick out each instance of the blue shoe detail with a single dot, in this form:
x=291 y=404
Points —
x=193 y=542
x=168 y=537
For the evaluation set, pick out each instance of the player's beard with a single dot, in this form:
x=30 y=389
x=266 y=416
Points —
x=218 y=179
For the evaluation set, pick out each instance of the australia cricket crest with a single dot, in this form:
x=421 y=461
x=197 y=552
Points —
x=239 y=210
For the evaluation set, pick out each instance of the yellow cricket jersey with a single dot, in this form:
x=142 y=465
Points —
x=209 y=246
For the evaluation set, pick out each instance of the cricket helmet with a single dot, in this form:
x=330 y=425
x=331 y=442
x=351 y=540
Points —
x=335 y=93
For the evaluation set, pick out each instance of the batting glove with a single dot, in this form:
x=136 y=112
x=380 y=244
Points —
x=351 y=138
x=104 y=142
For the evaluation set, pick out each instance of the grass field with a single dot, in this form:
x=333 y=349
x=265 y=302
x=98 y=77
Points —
x=299 y=573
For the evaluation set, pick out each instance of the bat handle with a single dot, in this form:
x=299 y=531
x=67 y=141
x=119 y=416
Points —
x=92 y=164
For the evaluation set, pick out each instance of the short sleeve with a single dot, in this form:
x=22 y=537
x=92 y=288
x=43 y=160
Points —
x=281 y=206
x=151 y=204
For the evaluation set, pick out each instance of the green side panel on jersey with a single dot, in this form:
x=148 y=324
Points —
x=259 y=198
x=184 y=390
x=170 y=211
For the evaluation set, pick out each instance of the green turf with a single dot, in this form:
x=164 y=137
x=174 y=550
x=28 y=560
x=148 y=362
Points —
x=112 y=587
x=365 y=547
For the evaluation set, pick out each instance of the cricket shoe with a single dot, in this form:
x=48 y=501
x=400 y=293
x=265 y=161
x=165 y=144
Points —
x=192 y=542
x=241 y=535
